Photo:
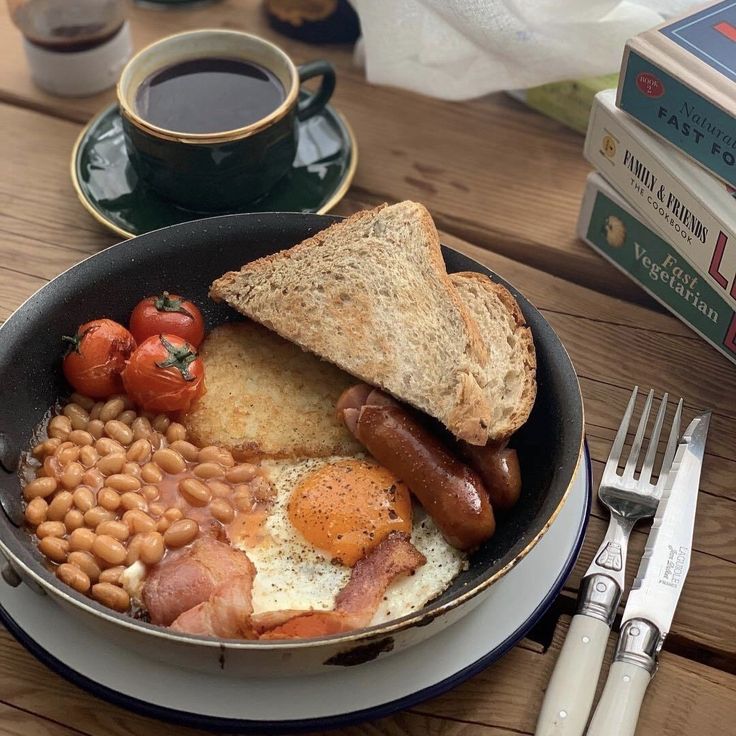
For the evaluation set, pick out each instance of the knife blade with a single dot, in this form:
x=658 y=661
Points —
x=656 y=591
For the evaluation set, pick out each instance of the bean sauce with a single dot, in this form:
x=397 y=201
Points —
x=107 y=486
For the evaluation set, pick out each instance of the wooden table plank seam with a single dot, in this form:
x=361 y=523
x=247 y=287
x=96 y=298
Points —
x=614 y=323
x=67 y=728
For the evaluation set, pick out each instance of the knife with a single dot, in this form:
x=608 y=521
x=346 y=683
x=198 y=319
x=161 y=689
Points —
x=656 y=590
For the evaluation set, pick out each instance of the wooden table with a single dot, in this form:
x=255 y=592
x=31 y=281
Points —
x=504 y=185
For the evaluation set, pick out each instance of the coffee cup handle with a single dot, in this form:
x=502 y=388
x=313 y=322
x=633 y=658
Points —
x=316 y=101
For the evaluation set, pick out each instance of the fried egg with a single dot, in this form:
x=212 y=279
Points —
x=327 y=513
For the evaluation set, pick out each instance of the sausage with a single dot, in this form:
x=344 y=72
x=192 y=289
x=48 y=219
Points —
x=450 y=492
x=498 y=466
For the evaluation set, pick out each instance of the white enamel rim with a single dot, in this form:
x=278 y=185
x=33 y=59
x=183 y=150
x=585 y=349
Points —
x=371 y=690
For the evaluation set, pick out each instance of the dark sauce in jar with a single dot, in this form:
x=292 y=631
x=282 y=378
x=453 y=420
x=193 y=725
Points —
x=68 y=27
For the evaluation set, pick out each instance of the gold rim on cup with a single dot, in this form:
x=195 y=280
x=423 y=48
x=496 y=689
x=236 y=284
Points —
x=222 y=136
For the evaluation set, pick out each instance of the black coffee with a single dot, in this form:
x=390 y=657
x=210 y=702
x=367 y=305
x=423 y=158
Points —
x=208 y=95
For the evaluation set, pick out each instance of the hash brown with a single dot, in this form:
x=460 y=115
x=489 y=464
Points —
x=267 y=398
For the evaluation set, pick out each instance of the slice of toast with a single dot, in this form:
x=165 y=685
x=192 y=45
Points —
x=371 y=294
x=511 y=384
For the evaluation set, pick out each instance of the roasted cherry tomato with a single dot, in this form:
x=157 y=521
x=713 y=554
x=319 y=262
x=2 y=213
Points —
x=164 y=374
x=167 y=314
x=96 y=356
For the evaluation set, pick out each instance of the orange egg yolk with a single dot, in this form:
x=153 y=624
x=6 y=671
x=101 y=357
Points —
x=348 y=507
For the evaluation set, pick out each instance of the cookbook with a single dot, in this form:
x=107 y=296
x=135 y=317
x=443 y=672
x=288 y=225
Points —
x=615 y=230
x=688 y=207
x=679 y=79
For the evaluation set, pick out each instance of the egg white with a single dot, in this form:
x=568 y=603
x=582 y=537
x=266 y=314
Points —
x=292 y=574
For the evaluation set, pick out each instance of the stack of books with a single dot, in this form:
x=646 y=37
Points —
x=661 y=205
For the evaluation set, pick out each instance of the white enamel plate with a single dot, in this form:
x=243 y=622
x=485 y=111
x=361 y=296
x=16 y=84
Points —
x=350 y=694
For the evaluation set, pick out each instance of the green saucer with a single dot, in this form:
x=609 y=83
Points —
x=112 y=193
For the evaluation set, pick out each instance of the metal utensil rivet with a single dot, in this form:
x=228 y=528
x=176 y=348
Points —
x=10 y=576
x=600 y=587
x=634 y=631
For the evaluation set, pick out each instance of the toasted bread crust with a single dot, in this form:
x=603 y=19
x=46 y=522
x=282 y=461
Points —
x=525 y=343
x=470 y=415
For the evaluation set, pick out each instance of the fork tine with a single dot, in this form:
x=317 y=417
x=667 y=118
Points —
x=669 y=454
x=646 y=469
x=618 y=443
x=638 y=437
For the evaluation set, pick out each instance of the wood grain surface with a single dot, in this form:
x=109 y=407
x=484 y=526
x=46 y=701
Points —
x=504 y=185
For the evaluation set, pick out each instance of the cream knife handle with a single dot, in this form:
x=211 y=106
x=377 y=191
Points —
x=618 y=709
x=570 y=691
x=634 y=663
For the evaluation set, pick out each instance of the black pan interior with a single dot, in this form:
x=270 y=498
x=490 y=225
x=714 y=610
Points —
x=186 y=258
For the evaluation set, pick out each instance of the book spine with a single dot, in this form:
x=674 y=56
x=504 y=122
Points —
x=664 y=200
x=649 y=260
x=679 y=113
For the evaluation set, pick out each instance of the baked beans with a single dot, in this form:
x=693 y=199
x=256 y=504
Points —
x=138 y=521
x=209 y=470
x=111 y=596
x=66 y=453
x=36 y=511
x=241 y=473
x=86 y=562
x=74 y=519
x=195 y=492
x=73 y=576
x=78 y=417
x=72 y=475
x=114 y=486
x=108 y=498
x=151 y=548
x=60 y=505
x=96 y=428
x=180 y=533
x=108 y=549
x=222 y=510
x=112 y=574
x=127 y=417
x=84 y=401
x=88 y=456
x=83 y=498
x=169 y=461
x=96 y=515
x=60 y=427
x=186 y=449
x=55 y=548
x=119 y=431
x=50 y=529
x=40 y=488
x=175 y=432
x=123 y=482
x=116 y=529
x=215 y=454
x=151 y=473
x=111 y=463
x=141 y=428
x=111 y=409
x=82 y=539
x=139 y=451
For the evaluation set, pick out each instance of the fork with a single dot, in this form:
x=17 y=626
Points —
x=572 y=686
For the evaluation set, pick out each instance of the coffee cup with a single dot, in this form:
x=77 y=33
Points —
x=210 y=117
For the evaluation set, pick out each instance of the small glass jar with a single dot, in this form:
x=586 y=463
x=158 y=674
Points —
x=73 y=47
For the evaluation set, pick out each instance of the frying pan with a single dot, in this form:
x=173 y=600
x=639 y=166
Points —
x=185 y=259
